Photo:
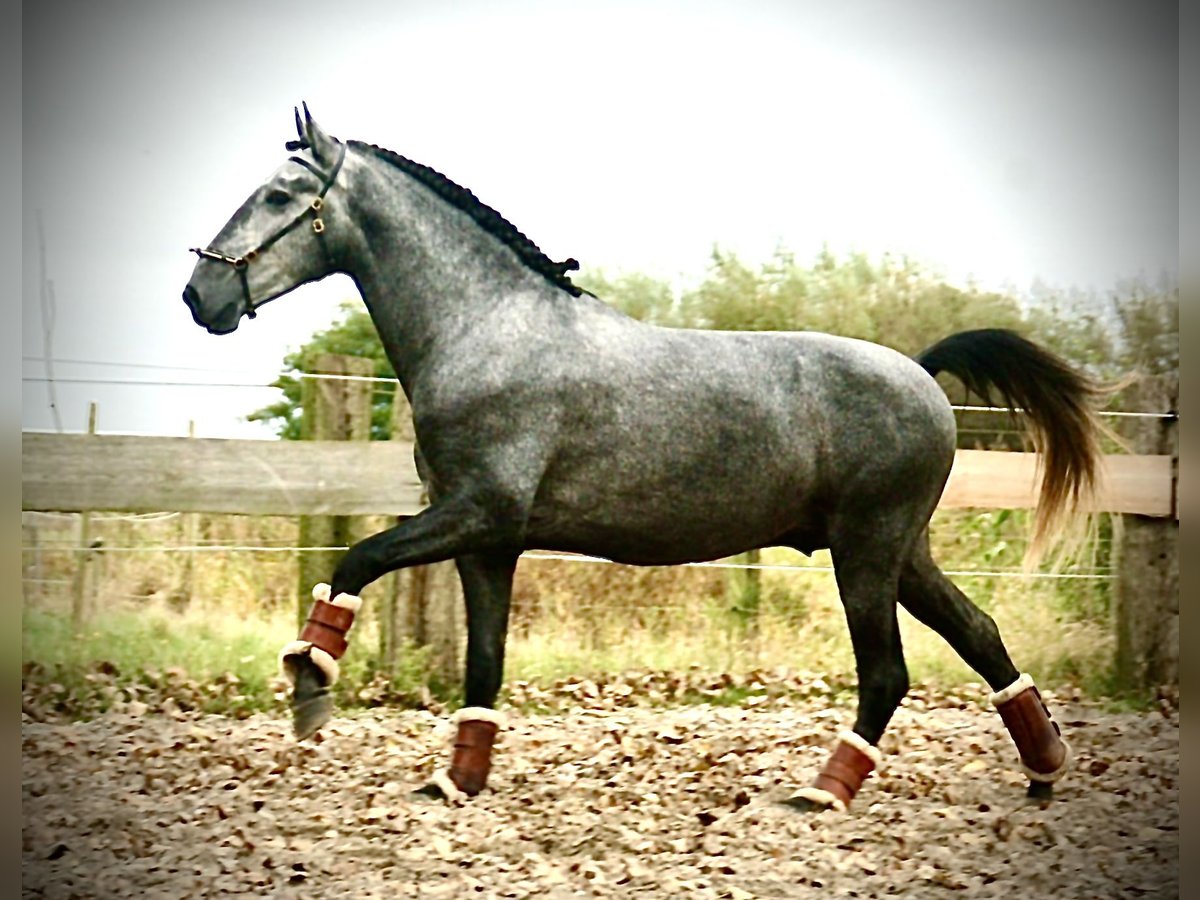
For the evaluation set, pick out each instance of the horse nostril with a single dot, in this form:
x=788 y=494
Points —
x=191 y=297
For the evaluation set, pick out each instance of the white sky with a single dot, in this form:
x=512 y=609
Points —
x=999 y=142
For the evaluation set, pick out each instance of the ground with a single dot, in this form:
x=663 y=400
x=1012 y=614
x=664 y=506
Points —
x=623 y=801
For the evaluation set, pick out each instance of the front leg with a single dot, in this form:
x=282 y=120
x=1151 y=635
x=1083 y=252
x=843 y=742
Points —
x=452 y=527
x=487 y=589
x=310 y=663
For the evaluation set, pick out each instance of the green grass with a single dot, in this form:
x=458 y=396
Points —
x=569 y=622
x=203 y=645
x=225 y=664
x=220 y=663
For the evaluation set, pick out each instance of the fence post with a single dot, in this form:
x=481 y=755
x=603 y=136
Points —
x=80 y=581
x=186 y=535
x=392 y=610
x=333 y=410
x=31 y=562
x=745 y=593
x=426 y=602
x=1147 y=555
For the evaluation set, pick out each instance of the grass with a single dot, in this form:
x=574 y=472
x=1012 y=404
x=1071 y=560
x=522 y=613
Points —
x=569 y=621
x=155 y=638
x=223 y=665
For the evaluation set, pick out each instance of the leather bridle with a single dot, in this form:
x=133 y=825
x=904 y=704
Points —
x=241 y=264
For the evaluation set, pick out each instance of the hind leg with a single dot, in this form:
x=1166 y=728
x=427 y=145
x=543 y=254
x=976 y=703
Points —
x=867 y=570
x=935 y=601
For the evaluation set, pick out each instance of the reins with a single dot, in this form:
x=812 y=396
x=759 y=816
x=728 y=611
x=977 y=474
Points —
x=241 y=264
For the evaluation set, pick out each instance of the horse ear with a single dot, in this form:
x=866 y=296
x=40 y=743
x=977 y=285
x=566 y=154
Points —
x=322 y=145
x=301 y=142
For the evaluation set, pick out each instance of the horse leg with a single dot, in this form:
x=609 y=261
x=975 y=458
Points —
x=867 y=575
x=310 y=662
x=935 y=601
x=447 y=529
x=487 y=589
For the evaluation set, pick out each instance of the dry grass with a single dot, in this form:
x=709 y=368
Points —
x=569 y=619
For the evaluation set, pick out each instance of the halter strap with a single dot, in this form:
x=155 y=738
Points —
x=242 y=263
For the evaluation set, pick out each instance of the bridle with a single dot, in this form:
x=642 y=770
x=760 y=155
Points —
x=241 y=264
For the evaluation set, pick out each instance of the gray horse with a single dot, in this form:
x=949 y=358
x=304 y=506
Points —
x=546 y=419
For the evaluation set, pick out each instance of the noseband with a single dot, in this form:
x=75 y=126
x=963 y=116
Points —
x=241 y=264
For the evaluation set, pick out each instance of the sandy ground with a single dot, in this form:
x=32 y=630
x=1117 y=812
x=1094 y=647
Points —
x=625 y=802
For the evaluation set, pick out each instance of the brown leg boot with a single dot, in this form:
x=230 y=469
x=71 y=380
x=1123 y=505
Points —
x=853 y=759
x=310 y=663
x=471 y=760
x=1045 y=756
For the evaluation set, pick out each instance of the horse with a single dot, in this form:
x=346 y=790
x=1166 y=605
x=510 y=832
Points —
x=546 y=419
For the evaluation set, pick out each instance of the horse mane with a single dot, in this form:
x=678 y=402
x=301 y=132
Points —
x=487 y=218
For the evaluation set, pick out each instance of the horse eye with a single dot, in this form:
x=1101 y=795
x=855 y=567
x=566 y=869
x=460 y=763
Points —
x=277 y=197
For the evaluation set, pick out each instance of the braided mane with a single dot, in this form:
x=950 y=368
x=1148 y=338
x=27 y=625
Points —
x=488 y=219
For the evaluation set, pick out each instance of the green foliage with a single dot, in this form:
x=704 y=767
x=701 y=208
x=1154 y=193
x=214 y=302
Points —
x=640 y=296
x=1134 y=328
x=893 y=302
x=352 y=335
x=1073 y=324
x=1149 y=317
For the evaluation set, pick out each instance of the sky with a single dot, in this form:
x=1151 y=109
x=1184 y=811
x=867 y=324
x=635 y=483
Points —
x=999 y=144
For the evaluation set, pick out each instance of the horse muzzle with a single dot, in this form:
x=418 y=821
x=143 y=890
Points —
x=223 y=321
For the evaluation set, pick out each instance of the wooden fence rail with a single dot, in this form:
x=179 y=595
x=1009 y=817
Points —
x=80 y=472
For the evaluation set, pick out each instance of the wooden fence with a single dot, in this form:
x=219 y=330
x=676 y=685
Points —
x=81 y=472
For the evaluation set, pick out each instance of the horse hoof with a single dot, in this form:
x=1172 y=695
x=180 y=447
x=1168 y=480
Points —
x=805 y=805
x=427 y=794
x=312 y=706
x=1040 y=791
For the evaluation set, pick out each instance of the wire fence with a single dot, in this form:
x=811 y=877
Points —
x=64 y=546
x=392 y=384
x=173 y=565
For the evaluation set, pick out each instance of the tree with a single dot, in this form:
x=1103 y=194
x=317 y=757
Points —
x=353 y=335
x=1149 y=317
x=641 y=296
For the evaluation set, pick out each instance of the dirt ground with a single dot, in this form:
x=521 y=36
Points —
x=619 y=802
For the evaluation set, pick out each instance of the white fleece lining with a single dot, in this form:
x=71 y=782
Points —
x=443 y=780
x=820 y=797
x=859 y=743
x=346 y=601
x=480 y=714
x=1022 y=684
x=1051 y=777
x=323 y=660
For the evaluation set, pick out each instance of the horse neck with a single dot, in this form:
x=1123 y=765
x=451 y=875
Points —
x=426 y=271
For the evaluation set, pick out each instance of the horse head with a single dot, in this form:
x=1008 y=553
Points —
x=276 y=241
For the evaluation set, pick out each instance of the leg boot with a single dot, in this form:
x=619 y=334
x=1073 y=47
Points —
x=1045 y=756
x=310 y=663
x=853 y=759
x=471 y=760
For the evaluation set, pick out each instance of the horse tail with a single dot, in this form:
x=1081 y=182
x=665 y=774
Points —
x=1057 y=403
